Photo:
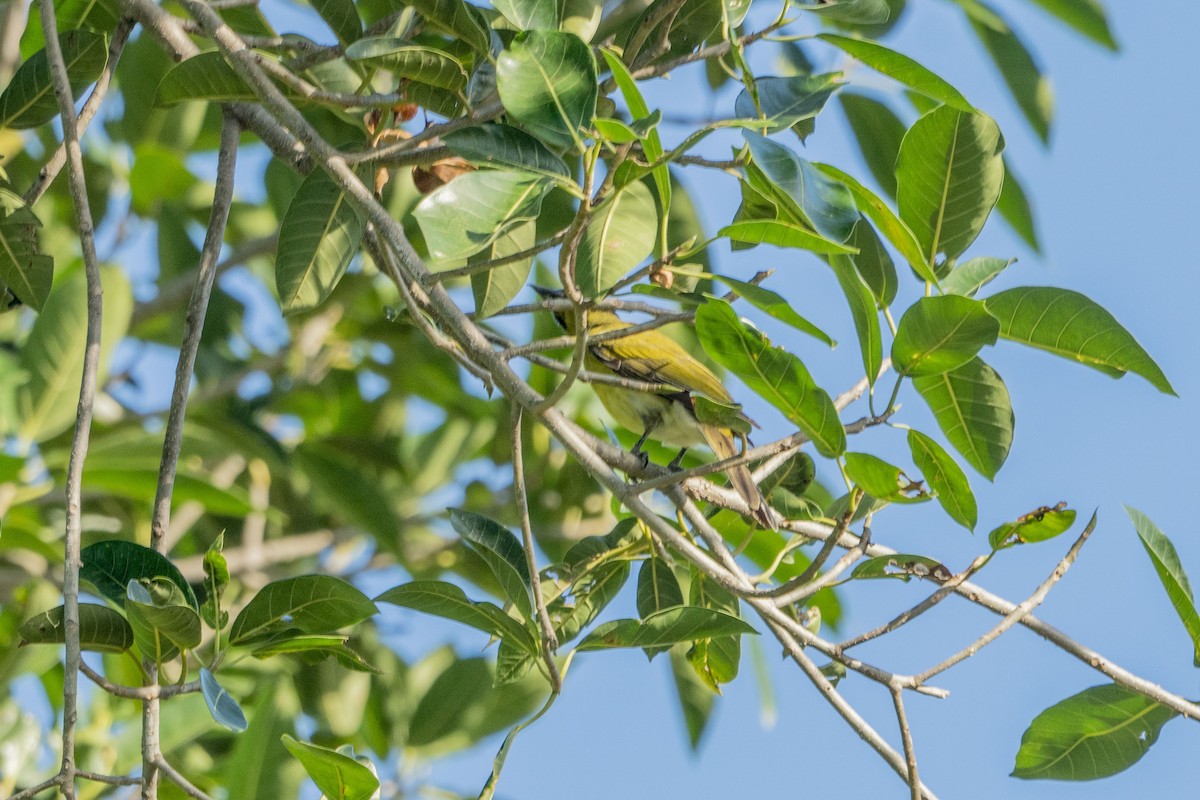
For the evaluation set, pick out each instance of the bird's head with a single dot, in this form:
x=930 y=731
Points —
x=598 y=319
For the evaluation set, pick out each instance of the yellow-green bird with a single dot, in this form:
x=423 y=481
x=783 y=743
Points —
x=668 y=413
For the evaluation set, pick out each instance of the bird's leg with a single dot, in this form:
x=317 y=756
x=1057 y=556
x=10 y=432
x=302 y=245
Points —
x=677 y=460
x=637 y=447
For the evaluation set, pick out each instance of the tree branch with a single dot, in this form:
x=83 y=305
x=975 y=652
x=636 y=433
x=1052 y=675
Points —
x=87 y=393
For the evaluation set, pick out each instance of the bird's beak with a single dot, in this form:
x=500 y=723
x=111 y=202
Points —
x=548 y=294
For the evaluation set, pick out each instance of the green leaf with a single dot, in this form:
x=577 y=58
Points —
x=715 y=661
x=1170 y=573
x=651 y=141
x=696 y=699
x=494 y=288
x=216 y=578
x=591 y=593
x=162 y=621
x=29 y=99
x=781 y=234
x=204 y=76
x=1014 y=207
x=472 y=211
x=775 y=305
x=658 y=588
x=878 y=132
x=53 y=353
x=882 y=480
x=412 y=62
x=1096 y=733
x=458 y=18
x=27 y=274
x=342 y=18
x=775 y=374
x=857 y=12
x=101 y=629
x=679 y=624
x=783 y=102
x=450 y=602
x=973 y=409
x=547 y=82
x=862 y=309
x=1038 y=525
x=339 y=777
x=224 y=709
x=110 y=566
x=314 y=647
x=1070 y=325
x=891 y=226
x=94 y=15
x=501 y=551
x=530 y=15
x=1028 y=86
x=940 y=334
x=899 y=67
x=945 y=477
x=874 y=264
x=969 y=277
x=824 y=203
x=619 y=235
x=318 y=238
x=949 y=175
x=312 y=603
x=904 y=566
x=505 y=146
x=1085 y=16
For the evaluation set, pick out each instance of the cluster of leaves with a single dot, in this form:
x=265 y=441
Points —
x=347 y=428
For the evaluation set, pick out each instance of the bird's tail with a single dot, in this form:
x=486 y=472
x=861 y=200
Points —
x=722 y=444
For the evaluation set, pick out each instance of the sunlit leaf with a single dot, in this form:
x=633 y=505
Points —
x=973 y=409
x=969 y=277
x=941 y=334
x=336 y=775
x=1070 y=325
x=1039 y=525
x=618 y=237
x=1170 y=573
x=410 y=61
x=547 y=82
x=450 y=602
x=775 y=374
x=862 y=309
x=679 y=624
x=949 y=173
x=903 y=566
x=820 y=201
x=900 y=68
x=774 y=304
x=312 y=603
x=470 y=212
x=1099 y=732
x=882 y=480
x=945 y=477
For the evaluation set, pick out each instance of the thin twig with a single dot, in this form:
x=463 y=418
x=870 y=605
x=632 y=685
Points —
x=1017 y=614
x=484 y=266
x=87 y=392
x=847 y=712
x=183 y=783
x=910 y=752
x=193 y=327
x=34 y=791
x=549 y=640
x=51 y=168
x=111 y=780
x=153 y=692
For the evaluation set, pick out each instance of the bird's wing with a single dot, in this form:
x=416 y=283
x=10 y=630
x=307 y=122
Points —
x=670 y=364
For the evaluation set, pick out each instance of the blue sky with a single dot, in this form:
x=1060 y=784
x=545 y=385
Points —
x=1114 y=196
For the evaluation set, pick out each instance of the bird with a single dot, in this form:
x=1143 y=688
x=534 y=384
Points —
x=667 y=414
